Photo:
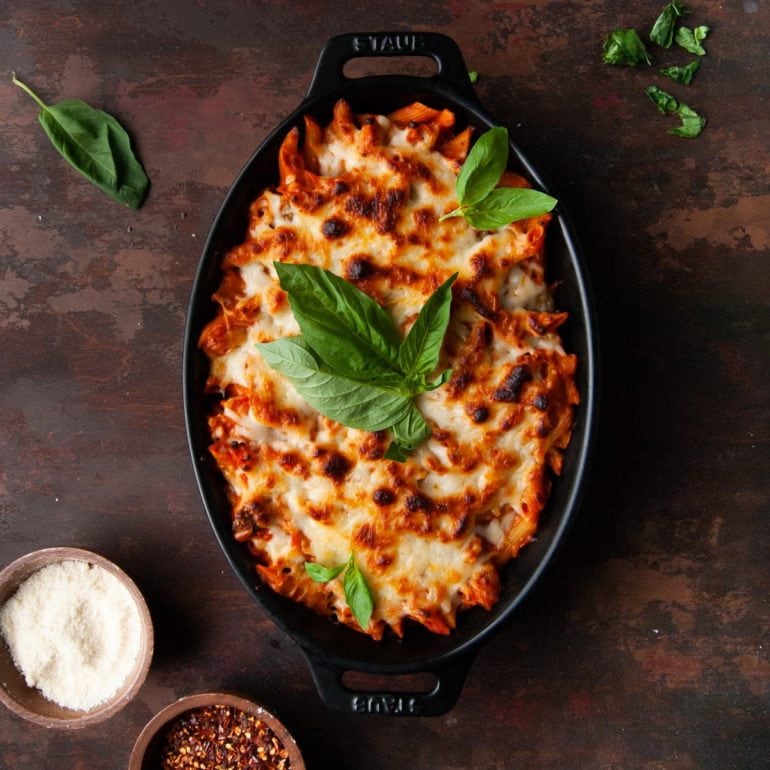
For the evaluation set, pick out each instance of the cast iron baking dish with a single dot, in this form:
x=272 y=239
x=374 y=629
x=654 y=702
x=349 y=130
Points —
x=332 y=649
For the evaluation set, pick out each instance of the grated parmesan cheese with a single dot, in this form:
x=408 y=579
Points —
x=74 y=632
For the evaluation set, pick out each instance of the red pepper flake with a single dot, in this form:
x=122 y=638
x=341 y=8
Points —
x=223 y=738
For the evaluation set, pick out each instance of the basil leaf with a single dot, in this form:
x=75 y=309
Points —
x=691 y=40
x=483 y=167
x=411 y=430
x=662 y=31
x=344 y=326
x=323 y=574
x=692 y=123
x=96 y=145
x=419 y=352
x=473 y=76
x=408 y=434
x=624 y=46
x=508 y=204
x=369 y=406
x=700 y=33
x=682 y=74
x=358 y=595
x=397 y=452
x=663 y=100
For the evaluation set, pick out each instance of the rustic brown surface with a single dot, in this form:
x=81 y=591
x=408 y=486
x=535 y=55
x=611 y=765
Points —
x=647 y=643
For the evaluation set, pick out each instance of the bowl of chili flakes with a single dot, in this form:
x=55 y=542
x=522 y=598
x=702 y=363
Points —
x=213 y=730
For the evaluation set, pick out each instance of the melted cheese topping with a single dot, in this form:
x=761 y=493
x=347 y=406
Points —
x=362 y=198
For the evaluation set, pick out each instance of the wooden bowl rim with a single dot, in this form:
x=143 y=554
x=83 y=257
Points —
x=187 y=703
x=12 y=576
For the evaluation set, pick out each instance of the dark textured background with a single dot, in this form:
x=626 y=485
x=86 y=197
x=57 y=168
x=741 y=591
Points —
x=647 y=643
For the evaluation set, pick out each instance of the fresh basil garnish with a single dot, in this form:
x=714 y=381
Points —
x=323 y=574
x=692 y=123
x=682 y=74
x=350 y=331
x=408 y=433
x=624 y=46
x=662 y=99
x=662 y=31
x=370 y=406
x=95 y=144
x=358 y=595
x=691 y=39
x=350 y=364
x=473 y=76
x=419 y=352
x=508 y=204
x=484 y=205
x=483 y=167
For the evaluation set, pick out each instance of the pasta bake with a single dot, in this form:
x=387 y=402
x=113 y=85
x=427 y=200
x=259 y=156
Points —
x=362 y=197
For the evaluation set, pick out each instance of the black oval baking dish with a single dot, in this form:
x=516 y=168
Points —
x=332 y=649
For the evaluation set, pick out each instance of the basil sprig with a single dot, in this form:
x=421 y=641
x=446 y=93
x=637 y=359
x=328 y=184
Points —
x=662 y=31
x=484 y=205
x=350 y=364
x=95 y=144
x=358 y=595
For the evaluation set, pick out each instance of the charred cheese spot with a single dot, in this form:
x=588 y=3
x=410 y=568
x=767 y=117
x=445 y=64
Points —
x=366 y=536
x=511 y=385
x=383 y=496
x=479 y=414
x=335 y=466
x=471 y=296
x=334 y=228
x=362 y=197
x=359 y=268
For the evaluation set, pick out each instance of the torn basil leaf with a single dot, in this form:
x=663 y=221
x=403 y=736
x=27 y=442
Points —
x=624 y=46
x=682 y=74
x=662 y=100
x=691 y=39
x=692 y=123
x=662 y=31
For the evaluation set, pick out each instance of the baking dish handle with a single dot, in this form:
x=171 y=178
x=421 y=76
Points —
x=449 y=675
x=342 y=48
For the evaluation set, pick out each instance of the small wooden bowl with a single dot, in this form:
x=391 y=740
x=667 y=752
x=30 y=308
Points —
x=28 y=702
x=148 y=748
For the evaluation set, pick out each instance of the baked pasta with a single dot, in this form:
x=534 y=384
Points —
x=362 y=198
